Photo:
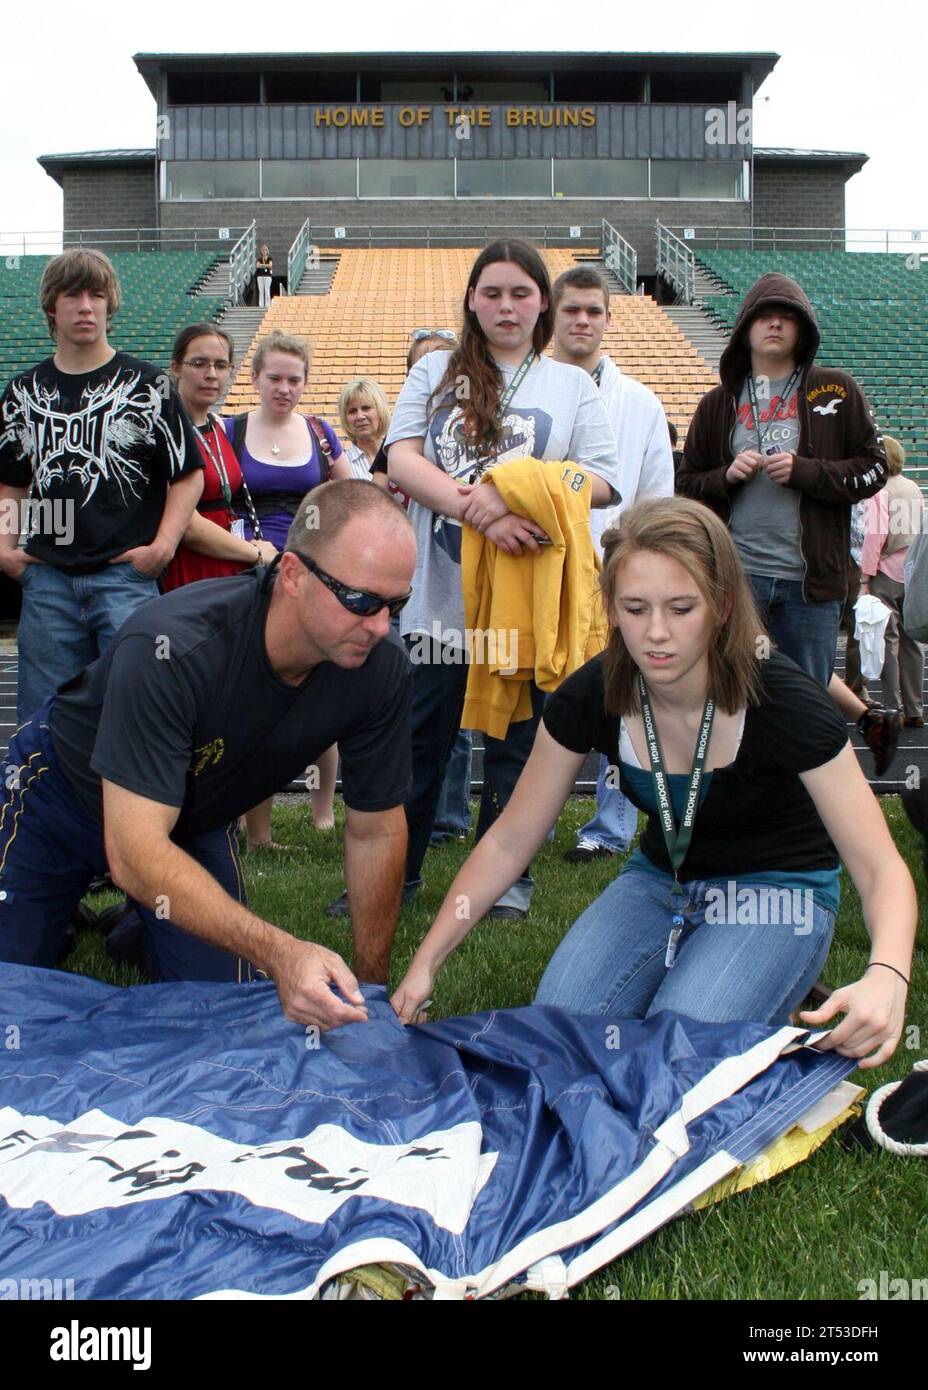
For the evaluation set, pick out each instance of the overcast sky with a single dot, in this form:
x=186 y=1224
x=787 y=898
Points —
x=852 y=76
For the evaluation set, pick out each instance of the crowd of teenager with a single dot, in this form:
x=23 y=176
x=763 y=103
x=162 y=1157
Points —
x=682 y=611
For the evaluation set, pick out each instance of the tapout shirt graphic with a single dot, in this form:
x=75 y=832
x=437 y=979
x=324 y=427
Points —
x=105 y=443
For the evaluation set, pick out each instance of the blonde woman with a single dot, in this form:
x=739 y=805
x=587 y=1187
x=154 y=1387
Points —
x=283 y=455
x=365 y=418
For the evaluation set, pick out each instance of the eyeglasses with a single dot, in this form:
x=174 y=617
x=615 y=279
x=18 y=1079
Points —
x=199 y=364
x=418 y=334
x=357 y=601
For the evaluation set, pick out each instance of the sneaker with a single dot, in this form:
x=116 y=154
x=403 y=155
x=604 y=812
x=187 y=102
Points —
x=587 y=851
x=498 y=913
x=880 y=729
x=914 y=721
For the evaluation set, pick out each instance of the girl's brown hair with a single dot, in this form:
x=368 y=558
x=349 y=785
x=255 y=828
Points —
x=696 y=538
x=200 y=330
x=471 y=363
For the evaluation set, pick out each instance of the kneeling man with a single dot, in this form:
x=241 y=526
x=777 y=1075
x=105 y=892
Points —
x=211 y=699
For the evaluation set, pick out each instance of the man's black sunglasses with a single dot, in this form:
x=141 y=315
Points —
x=358 y=601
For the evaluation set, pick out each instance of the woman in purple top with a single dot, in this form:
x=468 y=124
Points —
x=283 y=456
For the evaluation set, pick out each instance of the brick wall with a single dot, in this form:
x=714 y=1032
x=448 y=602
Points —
x=121 y=197
x=279 y=222
x=785 y=196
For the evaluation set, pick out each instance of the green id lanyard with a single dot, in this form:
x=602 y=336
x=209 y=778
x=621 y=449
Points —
x=510 y=391
x=677 y=841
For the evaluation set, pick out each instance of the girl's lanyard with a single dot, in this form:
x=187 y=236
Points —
x=218 y=462
x=677 y=841
x=521 y=373
x=783 y=401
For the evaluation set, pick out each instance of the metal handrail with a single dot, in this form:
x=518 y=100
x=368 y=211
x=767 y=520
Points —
x=446 y=234
x=242 y=261
x=881 y=239
x=621 y=258
x=296 y=257
x=120 y=238
x=676 y=262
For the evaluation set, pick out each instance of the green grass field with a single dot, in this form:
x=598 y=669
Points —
x=813 y=1232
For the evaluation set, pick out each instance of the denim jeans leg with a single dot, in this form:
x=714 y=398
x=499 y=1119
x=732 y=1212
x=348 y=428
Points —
x=54 y=643
x=438 y=688
x=805 y=632
x=730 y=970
x=611 y=961
x=503 y=761
x=115 y=592
x=615 y=820
x=452 y=816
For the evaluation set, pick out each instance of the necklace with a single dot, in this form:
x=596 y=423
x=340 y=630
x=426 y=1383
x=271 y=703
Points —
x=275 y=449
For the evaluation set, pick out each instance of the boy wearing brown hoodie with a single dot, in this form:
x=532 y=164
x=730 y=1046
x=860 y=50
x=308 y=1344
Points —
x=781 y=449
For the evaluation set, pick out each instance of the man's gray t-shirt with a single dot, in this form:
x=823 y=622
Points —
x=765 y=515
x=556 y=413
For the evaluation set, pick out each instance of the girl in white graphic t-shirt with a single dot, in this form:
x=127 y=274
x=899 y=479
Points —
x=495 y=397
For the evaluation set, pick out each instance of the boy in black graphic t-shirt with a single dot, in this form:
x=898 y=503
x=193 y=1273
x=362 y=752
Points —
x=99 y=468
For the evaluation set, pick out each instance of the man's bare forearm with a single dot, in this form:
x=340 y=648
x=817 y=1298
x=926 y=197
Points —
x=174 y=886
x=375 y=868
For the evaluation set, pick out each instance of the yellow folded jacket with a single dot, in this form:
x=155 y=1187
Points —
x=532 y=617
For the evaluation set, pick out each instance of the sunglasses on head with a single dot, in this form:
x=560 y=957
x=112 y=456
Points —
x=357 y=601
x=418 y=334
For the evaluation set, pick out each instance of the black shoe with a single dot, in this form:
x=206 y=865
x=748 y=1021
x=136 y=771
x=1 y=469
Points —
x=84 y=918
x=586 y=852
x=881 y=729
x=340 y=908
x=498 y=913
x=102 y=884
x=126 y=939
x=67 y=945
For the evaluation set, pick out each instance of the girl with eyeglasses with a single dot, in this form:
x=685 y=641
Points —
x=214 y=543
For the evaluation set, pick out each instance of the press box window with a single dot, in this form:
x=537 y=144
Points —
x=697 y=178
x=309 y=178
x=504 y=178
x=190 y=179
x=406 y=178
x=601 y=178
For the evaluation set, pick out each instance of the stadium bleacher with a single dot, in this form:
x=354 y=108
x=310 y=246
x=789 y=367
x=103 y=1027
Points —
x=362 y=327
x=158 y=299
x=873 y=312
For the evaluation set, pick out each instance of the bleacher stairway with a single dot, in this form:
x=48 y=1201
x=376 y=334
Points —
x=704 y=334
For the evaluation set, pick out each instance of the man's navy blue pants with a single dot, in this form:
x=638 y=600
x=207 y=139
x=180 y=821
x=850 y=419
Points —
x=50 y=851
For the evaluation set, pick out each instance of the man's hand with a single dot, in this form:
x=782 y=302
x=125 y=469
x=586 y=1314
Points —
x=744 y=466
x=483 y=505
x=147 y=559
x=304 y=975
x=779 y=468
x=13 y=562
x=515 y=535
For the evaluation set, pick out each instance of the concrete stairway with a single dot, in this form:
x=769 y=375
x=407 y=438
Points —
x=318 y=279
x=243 y=324
x=706 y=337
x=216 y=282
x=596 y=262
